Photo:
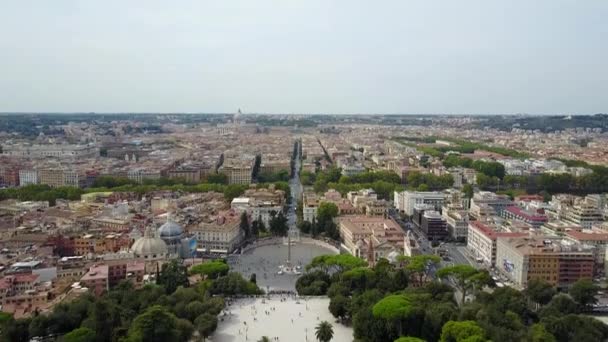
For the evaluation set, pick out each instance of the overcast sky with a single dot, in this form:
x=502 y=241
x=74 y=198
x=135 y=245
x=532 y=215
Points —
x=313 y=56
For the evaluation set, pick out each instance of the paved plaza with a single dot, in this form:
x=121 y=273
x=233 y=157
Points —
x=264 y=261
x=284 y=317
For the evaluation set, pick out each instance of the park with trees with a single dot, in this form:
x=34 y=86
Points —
x=413 y=300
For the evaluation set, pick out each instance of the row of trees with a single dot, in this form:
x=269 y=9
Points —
x=490 y=169
x=40 y=192
x=413 y=300
x=169 y=311
x=384 y=183
x=268 y=177
x=324 y=223
x=429 y=181
x=277 y=225
x=460 y=145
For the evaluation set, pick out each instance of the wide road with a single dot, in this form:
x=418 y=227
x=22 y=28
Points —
x=296 y=190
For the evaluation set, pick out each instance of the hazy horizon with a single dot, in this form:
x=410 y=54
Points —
x=469 y=57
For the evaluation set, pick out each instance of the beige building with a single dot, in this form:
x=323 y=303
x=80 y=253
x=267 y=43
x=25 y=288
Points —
x=371 y=237
x=558 y=263
x=60 y=177
x=220 y=235
x=238 y=173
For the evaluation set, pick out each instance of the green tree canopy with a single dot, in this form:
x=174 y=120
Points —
x=205 y=324
x=212 y=269
x=462 y=331
x=584 y=292
x=409 y=339
x=80 y=335
x=466 y=278
x=156 y=324
x=326 y=211
x=172 y=276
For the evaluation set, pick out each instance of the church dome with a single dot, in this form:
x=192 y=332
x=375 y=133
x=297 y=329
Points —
x=148 y=246
x=170 y=229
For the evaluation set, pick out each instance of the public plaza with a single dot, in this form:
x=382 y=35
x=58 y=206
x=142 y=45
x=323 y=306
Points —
x=281 y=317
x=287 y=318
x=265 y=262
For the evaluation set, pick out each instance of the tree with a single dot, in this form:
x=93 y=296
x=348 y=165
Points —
x=540 y=291
x=264 y=339
x=394 y=308
x=156 y=324
x=233 y=284
x=244 y=225
x=467 y=189
x=422 y=265
x=327 y=211
x=205 y=325
x=538 y=333
x=338 y=306
x=185 y=329
x=172 y=276
x=409 y=339
x=217 y=178
x=313 y=283
x=253 y=278
x=278 y=225
x=463 y=331
x=255 y=228
x=212 y=269
x=423 y=187
x=569 y=328
x=324 y=332
x=465 y=277
x=560 y=304
x=194 y=309
x=584 y=292
x=80 y=335
x=338 y=263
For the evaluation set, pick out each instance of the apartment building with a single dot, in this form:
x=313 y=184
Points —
x=61 y=177
x=489 y=199
x=238 y=171
x=457 y=221
x=370 y=237
x=27 y=177
x=560 y=264
x=482 y=242
x=534 y=218
x=220 y=235
x=405 y=201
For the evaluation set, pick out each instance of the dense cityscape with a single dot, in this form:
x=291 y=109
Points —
x=260 y=227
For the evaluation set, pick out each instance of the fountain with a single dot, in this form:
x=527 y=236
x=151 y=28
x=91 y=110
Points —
x=293 y=236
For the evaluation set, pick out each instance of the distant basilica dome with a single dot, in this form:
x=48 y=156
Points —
x=170 y=229
x=149 y=247
x=172 y=234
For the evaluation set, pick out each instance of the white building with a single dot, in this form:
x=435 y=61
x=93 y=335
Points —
x=264 y=211
x=457 y=222
x=405 y=201
x=481 y=242
x=240 y=204
x=27 y=177
x=486 y=198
